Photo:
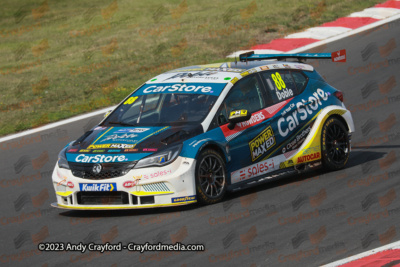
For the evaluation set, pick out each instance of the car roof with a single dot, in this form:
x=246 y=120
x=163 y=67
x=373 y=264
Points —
x=224 y=72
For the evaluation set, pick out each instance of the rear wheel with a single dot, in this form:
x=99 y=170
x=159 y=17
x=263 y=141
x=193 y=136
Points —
x=210 y=177
x=335 y=144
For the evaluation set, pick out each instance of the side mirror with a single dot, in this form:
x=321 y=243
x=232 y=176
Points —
x=237 y=116
x=107 y=113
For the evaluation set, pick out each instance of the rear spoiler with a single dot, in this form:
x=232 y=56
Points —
x=338 y=56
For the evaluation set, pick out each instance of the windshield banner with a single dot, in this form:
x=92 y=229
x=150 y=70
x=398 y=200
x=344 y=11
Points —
x=182 y=88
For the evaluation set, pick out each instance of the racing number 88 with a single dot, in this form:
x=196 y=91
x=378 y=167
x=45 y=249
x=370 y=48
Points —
x=278 y=80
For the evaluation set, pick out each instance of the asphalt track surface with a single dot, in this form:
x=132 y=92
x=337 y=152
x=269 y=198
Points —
x=303 y=220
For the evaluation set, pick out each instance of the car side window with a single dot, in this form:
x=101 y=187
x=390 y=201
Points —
x=247 y=94
x=300 y=80
x=280 y=85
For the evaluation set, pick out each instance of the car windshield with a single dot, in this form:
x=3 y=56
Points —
x=153 y=106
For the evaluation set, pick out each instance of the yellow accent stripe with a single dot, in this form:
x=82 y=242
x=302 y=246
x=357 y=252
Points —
x=143 y=193
x=101 y=135
x=125 y=207
x=64 y=194
x=151 y=134
x=316 y=138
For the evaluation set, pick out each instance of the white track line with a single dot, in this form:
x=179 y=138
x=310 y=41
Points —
x=297 y=50
x=56 y=124
x=395 y=245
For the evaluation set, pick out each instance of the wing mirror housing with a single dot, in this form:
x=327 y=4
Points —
x=237 y=116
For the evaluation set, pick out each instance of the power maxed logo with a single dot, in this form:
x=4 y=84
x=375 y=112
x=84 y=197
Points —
x=262 y=143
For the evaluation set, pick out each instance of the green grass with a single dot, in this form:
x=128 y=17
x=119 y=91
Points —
x=125 y=43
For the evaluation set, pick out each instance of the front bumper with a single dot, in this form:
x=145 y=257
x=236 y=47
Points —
x=152 y=187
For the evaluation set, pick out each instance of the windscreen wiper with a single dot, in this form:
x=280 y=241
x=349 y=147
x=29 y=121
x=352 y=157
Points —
x=121 y=123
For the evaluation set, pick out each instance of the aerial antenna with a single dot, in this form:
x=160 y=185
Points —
x=235 y=58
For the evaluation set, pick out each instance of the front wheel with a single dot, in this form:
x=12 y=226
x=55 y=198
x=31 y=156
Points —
x=210 y=177
x=335 y=144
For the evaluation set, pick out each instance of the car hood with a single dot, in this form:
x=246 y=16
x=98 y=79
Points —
x=132 y=142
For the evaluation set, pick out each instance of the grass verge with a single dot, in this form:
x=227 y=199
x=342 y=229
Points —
x=59 y=59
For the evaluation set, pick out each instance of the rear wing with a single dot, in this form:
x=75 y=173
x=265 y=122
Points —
x=338 y=56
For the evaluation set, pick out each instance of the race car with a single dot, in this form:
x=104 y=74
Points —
x=195 y=133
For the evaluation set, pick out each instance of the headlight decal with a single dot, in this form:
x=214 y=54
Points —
x=161 y=158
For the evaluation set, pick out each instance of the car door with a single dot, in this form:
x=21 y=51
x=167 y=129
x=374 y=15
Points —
x=289 y=127
x=248 y=93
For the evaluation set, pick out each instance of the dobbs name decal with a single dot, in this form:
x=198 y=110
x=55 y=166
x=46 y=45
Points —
x=183 y=199
x=262 y=143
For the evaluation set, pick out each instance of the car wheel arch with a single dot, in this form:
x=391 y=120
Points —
x=341 y=119
x=216 y=147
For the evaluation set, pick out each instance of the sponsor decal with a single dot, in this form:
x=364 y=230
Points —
x=131 y=100
x=84 y=150
x=276 y=66
x=257 y=169
x=339 y=56
x=98 y=151
x=199 y=74
x=255 y=119
x=309 y=157
x=286 y=66
x=297 y=140
x=114 y=150
x=311 y=150
x=301 y=67
x=262 y=143
x=157 y=174
x=286 y=93
x=302 y=112
x=183 y=199
x=129 y=184
x=73 y=150
x=100 y=158
x=234 y=80
x=118 y=138
x=134 y=130
x=248 y=72
x=121 y=146
x=196 y=143
x=194 y=88
x=98 y=128
x=264 y=68
x=224 y=69
x=70 y=184
x=98 y=187
x=131 y=150
x=238 y=113
x=110 y=146
x=150 y=149
x=137 y=178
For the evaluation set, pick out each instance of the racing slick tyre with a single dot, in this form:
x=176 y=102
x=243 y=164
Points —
x=335 y=144
x=210 y=177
